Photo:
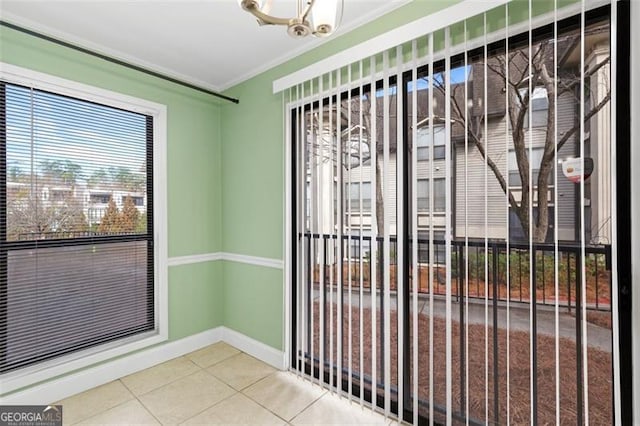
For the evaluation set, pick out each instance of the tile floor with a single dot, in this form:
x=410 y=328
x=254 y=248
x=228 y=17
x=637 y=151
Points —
x=215 y=385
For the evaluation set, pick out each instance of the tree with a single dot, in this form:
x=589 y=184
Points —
x=130 y=216
x=526 y=72
x=126 y=179
x=61 y=172
x=15 y=174
x=111 y=220
x=98 y=178
x=33 y=218
x=356 y=151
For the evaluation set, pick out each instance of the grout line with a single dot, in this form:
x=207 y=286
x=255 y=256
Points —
x=217 y=362
x=298 y=412
x=309 y=405
x=103 y=411
x=164 y=384
x=99 y=412
x=211 y=406
x=270 y=410
x=148 y=410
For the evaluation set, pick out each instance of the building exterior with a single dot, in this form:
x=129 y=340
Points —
x=58 y=208
x=480 y=205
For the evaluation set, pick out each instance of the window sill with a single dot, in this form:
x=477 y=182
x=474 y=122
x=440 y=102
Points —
x=47 y=370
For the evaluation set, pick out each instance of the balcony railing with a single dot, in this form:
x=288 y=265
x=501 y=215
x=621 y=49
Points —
x=478 y=271
x=472 y=259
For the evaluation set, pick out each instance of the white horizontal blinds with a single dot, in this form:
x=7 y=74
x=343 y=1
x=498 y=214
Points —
x=76 y=257
x=440 y=329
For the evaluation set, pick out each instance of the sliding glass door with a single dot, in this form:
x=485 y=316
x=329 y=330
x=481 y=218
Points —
x=454 y=208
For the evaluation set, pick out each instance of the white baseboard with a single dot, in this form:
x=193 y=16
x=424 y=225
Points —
x=74 y=383
x=81 y=381
x=256 y=349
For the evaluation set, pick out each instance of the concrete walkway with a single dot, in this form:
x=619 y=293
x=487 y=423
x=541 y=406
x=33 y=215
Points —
x=519 y=315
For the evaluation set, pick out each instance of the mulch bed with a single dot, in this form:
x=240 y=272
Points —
x=599 y=370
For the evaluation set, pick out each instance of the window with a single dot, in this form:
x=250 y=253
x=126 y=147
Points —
x=534 y=163
x=439 y=188
x=466 y=238
x=539 y=106
x=423 y=195
x=75 y=280
x=100 y=198
x=354 y=197
x=424 y=139
x=439 y=253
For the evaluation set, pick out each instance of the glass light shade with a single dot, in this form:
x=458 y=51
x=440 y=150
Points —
x=324 y=16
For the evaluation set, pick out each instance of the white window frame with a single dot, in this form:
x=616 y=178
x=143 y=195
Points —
x=46 y=370
x=424 y=141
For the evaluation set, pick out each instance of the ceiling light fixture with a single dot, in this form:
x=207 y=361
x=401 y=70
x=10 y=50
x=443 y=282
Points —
x=313 y=17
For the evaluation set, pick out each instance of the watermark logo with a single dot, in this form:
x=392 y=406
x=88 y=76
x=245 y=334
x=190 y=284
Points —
x=30 y=415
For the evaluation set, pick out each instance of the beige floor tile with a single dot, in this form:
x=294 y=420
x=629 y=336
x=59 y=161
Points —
x=206 y=357
x=235 y=410
x=94 y=401
x=241 y=371
x=184 y=398
x=129 y=413
x=284 y=394
x=332 y=410
x=155 y=377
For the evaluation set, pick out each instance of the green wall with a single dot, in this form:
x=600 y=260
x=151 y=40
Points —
x=253 y=181
x=193 y=169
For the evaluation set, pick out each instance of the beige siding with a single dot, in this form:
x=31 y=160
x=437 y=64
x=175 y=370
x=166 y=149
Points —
x=475 y=177
x=495 y=196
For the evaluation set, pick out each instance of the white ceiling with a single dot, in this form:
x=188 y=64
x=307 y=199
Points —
x=212 y=43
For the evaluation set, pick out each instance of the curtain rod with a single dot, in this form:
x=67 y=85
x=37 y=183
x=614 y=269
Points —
x=117 y=61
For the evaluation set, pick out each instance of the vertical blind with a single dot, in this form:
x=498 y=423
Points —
x=76 y=245
x=453 y=201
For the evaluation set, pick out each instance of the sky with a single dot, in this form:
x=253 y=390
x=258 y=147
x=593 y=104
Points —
x=457 y=76
x=90 y=135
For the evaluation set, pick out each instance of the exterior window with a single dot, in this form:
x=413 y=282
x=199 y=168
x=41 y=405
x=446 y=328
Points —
x=539 y=107
x=423 y=195
x=424 y=142
x=354 y=197
x=100 y=198
x=73 y=275
x=534 y=163
x=439 y=188
x=439 y=253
